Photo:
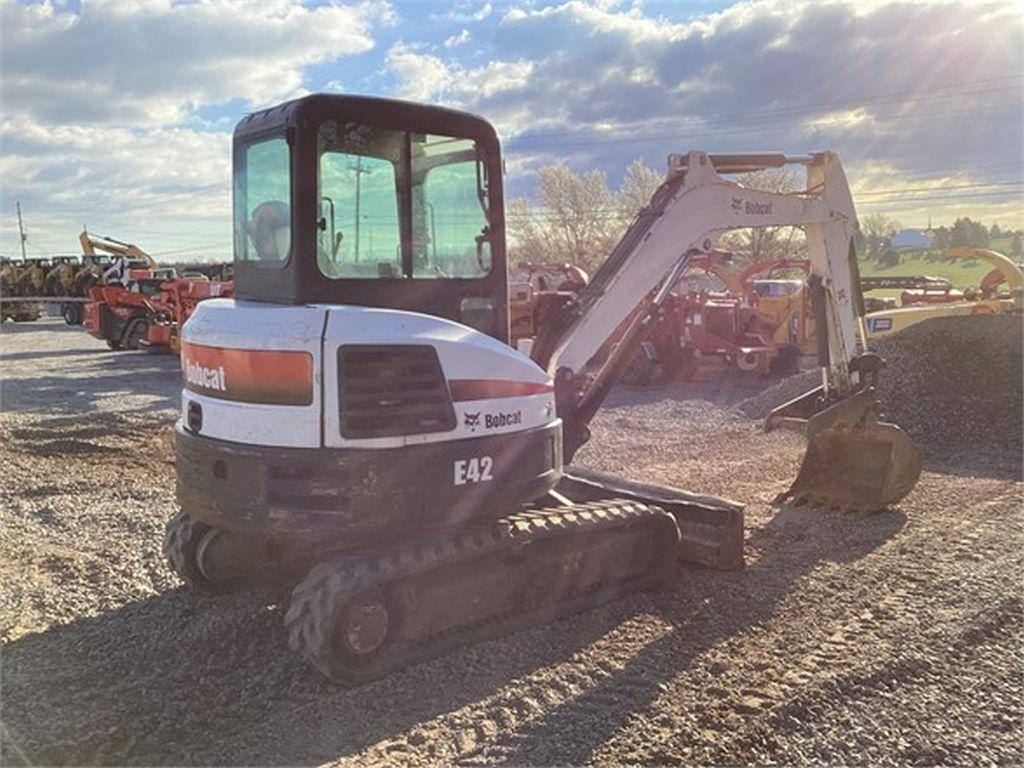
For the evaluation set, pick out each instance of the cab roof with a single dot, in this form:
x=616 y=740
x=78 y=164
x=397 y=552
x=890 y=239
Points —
x=369 y=110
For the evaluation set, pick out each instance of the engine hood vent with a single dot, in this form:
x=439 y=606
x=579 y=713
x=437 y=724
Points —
x=392 y=390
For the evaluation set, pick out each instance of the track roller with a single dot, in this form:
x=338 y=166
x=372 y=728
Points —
x=359 y=617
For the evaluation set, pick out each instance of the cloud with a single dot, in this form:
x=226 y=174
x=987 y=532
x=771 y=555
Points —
x=464 y=12
x=456 y=40
x=425 y=77
x=921 y=86
x=155 y=62
x=163 y=188
x=421 y=76
x=116 y=112
x=104 y=107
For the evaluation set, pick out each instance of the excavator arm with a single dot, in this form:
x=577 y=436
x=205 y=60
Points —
x=91 y=243
x=692 y=208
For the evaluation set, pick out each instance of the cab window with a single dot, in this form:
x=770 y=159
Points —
x=262 y=203
x=449 y=202
x=394 y=204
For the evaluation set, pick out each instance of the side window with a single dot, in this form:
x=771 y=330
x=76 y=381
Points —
x=359 y=235
x=263 y=203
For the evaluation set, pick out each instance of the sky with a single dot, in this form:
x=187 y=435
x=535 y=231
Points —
x=117 y=114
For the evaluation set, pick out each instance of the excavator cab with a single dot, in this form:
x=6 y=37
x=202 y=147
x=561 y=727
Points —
x=375 y=203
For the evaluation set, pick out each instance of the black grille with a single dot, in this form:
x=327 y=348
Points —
x=391 y=390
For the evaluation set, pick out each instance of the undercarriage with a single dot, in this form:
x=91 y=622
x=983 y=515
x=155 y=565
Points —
x=361 y=610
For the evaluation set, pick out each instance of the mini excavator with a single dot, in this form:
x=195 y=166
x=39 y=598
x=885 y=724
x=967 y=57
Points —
x=355 y=422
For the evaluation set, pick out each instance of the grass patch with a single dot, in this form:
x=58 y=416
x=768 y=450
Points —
x=962 y=273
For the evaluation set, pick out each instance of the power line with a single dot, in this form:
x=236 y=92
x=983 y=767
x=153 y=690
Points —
x=768 y=115
x=192 y=248
x=940 y=189
x=571 y=139
x=937 y=197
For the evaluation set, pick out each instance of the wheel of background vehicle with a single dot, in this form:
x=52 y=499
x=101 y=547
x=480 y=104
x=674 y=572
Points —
x=137 y=333
x=113 y=344
x=749 y=362
x=72 y=314
x=787 y=361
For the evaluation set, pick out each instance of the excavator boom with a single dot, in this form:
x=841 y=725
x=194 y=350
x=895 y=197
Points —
x=693 y=207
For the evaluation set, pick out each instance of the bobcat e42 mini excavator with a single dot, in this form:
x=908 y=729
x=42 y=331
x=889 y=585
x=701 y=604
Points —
x=355 y=421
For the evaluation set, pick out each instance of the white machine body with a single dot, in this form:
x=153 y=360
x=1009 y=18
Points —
x=270 y=374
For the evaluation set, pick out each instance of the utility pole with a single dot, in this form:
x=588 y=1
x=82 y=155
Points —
x=358 y=168
x=21 y=231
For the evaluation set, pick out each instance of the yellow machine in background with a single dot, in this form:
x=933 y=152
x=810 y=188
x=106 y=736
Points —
x=91 y=243
x=991 y=298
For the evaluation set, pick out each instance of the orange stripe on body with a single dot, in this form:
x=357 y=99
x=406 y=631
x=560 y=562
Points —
x=269 y=377
x=488 y=389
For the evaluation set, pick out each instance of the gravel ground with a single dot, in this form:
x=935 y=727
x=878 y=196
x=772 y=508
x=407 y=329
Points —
x=890 y=639
x=952 y=383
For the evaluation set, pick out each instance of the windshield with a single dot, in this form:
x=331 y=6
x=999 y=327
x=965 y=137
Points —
x=394 y=204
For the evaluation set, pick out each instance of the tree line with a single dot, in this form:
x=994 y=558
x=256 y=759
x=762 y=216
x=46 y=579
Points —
x=578 y=219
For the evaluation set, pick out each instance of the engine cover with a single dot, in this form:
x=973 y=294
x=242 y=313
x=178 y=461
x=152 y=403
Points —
x=351 y=377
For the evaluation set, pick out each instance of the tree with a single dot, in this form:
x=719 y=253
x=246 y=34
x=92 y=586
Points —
x=941 y=239
x=638 y=185
x=966 y=232
x=1016 y=248
x=995 y=232
x=878 y=231
x=578 y=221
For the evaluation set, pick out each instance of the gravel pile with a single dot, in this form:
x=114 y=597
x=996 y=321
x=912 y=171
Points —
x=892 y=639
x=949 y=382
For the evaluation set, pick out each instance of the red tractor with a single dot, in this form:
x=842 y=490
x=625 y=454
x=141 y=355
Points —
x=178 y=299
x=540 y=291
x=148 y=314
x=121 y=314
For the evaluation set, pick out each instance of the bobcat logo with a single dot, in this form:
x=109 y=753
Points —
x=737 y=205
x=472 y=420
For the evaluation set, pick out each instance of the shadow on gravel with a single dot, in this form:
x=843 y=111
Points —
x=47 y=354
x=123 y=375
x=182 y=679
x=705 y=607
x=185 y=679
x=100 y=435
x=49 y=325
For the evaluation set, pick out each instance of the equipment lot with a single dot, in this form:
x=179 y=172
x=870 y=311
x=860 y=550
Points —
x=895 y=638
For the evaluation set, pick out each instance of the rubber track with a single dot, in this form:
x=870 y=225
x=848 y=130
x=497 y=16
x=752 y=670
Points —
x=317 y=600
x=181 y=537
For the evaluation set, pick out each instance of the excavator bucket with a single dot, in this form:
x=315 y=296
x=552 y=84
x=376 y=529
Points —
x=853 y=460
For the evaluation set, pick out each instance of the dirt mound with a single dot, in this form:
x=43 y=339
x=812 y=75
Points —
x=948 y=381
